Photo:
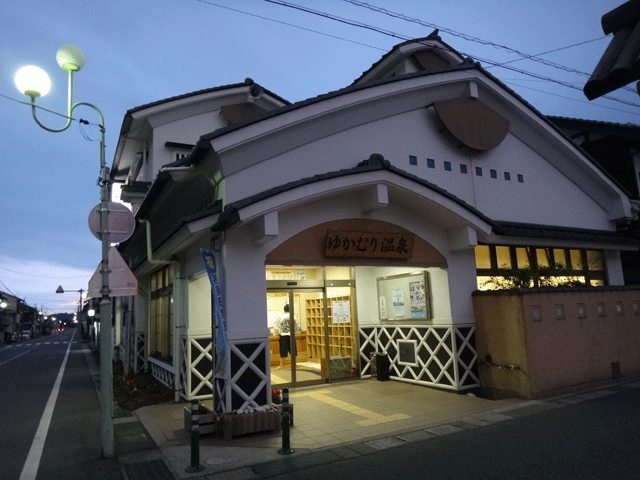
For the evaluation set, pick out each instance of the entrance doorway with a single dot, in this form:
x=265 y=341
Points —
x=314 y=341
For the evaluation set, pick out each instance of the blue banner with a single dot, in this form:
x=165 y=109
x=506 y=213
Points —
x=220 y=370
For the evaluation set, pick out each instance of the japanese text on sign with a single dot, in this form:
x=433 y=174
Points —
x=350 y=244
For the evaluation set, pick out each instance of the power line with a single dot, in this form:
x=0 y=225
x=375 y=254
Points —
x=404 y=37
x=525 y=56
x=570 y=98
x=289 y=24
x=63 y=115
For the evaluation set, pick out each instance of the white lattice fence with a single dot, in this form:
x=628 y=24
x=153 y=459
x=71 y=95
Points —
x=163 y=372
x=249 y=385
x=138 y=352
x=196 y=368
x=438 y=356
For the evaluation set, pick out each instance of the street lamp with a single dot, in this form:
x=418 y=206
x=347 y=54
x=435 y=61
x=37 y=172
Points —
x=34 y=82
x=61 y=290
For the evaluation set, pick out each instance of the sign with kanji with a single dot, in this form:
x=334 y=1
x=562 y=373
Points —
x=368 y=245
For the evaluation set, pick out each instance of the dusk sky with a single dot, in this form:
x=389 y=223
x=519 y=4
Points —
x=140 y=51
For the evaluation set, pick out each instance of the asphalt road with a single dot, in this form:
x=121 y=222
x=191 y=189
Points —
x=71 y=447
x=592 y=440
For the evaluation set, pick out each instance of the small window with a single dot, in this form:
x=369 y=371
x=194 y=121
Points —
x=507 y=176
x=503 y=255
x=413 y=160
x=543 y=257
x=494 y=174
x=463 y=168
x=559 y=258
x=594 y=260
x=576 y=259
x=479 y=171
x=520 y=179
x=522 y=256
x=431 y=163
x=447 y=166
x=483 y=258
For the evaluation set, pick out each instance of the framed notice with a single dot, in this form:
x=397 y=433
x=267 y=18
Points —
x=405 y=297
x=418 y=299
x=398 y=302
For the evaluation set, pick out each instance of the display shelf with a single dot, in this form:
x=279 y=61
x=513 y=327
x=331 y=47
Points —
x=341 y=335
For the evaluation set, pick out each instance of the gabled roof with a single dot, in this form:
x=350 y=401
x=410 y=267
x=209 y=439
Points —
x=377 y=162
x=397 y=54
x=610 y=128
x=248 y=81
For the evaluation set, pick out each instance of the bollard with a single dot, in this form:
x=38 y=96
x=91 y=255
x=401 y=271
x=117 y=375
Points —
x=286 y=441
x=195 y=439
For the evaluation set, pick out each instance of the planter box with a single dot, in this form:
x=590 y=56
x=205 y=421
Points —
x=232 y=424
x=209 y=421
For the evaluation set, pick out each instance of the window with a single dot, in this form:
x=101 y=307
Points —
x=161 y=314
x=520 y=179
x=431 y=163
x=507 y=176
x=447 y=166
x=463 y=168
x=493 y=173
x=413 y=160
x=503 y=266
x=483 y=258
x=479 y=171
x=503 y=257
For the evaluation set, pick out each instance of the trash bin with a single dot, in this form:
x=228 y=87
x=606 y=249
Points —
x=382 y=366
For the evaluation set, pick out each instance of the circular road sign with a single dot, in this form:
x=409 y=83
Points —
x=120 y=226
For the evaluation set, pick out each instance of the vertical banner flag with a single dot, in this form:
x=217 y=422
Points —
x=221 y=323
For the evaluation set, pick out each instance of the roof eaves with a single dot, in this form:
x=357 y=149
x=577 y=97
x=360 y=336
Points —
x=396 y=48
x=375 y=162
x=516 y=229
x=468 y=64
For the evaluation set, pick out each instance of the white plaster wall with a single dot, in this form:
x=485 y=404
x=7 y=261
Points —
x=199 y=301
x=244 y=286
x=414 y=133
x=462 y=282
x=187 y=130
x=613 y=264
x=538 y=198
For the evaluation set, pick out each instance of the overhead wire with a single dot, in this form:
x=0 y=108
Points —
x=289 y=24
x=404 y=37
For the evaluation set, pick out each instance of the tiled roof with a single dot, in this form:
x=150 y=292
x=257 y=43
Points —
x=622 y=129
x=620 y=63
x=374 y=163
x=248 y=81
x=514 y=229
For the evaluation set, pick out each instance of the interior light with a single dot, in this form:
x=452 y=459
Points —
x=33 y=81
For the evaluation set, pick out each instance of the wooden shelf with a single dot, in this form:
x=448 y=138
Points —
x=341 y=335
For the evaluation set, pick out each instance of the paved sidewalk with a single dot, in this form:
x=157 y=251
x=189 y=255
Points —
x=332 y=422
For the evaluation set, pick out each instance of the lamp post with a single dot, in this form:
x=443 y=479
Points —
x=34 y=82
x=78 y=315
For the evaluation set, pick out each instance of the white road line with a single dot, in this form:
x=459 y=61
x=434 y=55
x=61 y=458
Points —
x=19 y=355
x=30 y=469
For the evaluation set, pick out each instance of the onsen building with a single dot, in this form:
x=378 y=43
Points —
x=394 y=216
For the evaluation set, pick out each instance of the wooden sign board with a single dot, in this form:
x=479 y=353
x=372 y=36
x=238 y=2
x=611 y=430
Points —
x=368 y=245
